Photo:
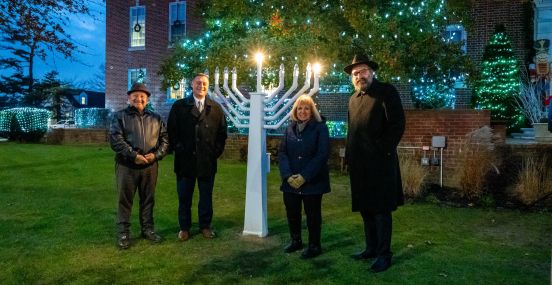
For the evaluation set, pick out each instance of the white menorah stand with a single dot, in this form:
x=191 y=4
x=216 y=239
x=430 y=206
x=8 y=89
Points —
x=262 y=108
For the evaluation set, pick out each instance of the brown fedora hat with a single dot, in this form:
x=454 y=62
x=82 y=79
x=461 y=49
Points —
x=141 y=87
x=361 y=59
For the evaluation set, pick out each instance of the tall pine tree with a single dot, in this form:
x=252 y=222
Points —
x=498 y=84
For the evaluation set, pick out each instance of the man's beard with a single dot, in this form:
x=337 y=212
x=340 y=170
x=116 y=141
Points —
x=361 y=84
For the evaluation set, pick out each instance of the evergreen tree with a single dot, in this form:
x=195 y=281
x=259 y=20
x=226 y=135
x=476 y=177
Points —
x=51 y=93
x=405 y=37
x=498 y=85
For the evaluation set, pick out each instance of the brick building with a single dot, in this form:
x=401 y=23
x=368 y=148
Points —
x=139 y=35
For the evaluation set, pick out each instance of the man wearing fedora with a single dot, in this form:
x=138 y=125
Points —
x=376 y=124
x=139 y=138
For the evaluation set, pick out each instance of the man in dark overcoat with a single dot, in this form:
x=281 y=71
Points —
x=197 y=135
x=375 y=126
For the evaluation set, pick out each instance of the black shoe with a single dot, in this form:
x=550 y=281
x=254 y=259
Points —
x=152 y=236
x=293 y=246
x=363 y=255
x=124 y=241
x=311 y=251
x=381 y=264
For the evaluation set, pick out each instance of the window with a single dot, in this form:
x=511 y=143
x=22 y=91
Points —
x=83 y=100
x=136 y=75
x=178 y=91
x=456 y=34
x=177 y=21
x=137 y=27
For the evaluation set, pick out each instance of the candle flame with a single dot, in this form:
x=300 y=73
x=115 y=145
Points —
x=259 y=57
x=317 y=68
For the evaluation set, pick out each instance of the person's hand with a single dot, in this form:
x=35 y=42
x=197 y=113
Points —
x=140 y=159
x=291 y=181
x=150 y=157
x=296 y=181
x=299 y=180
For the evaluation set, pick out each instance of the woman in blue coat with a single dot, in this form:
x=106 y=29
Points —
x=303 y=158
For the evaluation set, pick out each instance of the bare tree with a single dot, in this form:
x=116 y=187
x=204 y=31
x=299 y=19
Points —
x=28 y=29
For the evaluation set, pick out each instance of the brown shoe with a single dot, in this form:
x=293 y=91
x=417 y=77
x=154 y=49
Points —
x=183 y=235
x=208 y=233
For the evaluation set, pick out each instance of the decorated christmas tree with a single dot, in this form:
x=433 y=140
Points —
x=406 y=38
x=498 y=84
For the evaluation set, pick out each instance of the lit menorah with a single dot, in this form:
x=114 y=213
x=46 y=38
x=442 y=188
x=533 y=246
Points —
x=262 y=108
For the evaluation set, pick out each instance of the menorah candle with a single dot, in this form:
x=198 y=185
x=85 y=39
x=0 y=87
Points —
x=259 y=58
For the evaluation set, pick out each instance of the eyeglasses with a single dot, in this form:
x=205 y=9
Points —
x=361 y=71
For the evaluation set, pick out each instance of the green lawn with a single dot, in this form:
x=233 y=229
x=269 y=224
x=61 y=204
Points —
x=57 y=227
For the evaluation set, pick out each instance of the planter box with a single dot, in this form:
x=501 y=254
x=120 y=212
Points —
x=542 y=135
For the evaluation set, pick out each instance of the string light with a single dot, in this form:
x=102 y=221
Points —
x=24 y=121
x=91 y=117
x=499 y=83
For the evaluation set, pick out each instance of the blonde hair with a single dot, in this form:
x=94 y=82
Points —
x=305 y=100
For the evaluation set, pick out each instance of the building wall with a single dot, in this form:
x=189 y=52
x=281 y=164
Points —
x=333 y=106
x=119 y=59
x=516 y=16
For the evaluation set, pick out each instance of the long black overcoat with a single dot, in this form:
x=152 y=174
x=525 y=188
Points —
x=305 y=153
x=197 y=139
x=375 y=127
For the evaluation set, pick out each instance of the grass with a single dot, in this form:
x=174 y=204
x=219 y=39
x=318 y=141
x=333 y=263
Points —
x=57 y=216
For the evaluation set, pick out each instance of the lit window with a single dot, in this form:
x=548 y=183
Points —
x=177 y=91
x=136 y=75
x=456 y=34
x=83 y=100
x=137 y=27
x=177 y=21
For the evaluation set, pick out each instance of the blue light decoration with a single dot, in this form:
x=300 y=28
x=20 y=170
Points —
x=31 y=120
x=29 y=124
x=430 y=94
x=337 y=129
x=5 y=122
x=92 y=118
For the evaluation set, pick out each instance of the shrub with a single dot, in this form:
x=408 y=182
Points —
x=477 y=159
x=28 y=124
x=5 y=123
x=92 y=118
x=412 y=176
x=534 y=182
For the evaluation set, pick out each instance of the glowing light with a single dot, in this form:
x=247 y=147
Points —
x=259 y=57
x=317 y=68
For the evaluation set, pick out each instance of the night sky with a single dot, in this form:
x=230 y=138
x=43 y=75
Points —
x=89 y=33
